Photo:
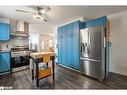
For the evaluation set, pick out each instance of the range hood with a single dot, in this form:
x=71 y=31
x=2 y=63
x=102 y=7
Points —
x=20 y=26
x=22 y=29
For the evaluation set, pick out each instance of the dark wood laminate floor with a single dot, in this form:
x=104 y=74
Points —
x=64 y=79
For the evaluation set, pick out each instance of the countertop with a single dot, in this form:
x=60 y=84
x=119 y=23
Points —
x=2 y=51
x=41 y=54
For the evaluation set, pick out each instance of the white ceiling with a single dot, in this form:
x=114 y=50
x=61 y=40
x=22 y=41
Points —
x=60 y=14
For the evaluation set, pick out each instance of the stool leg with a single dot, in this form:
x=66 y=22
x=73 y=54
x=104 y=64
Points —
x=53 y=66
x=37 y=82
x=32 y=67
x=37 y=73
x=32 y=74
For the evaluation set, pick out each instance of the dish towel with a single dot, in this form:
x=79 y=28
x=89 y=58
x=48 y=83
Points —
x=42 y=66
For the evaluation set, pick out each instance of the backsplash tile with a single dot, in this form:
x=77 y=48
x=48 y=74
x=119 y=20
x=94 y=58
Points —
x=12 y=42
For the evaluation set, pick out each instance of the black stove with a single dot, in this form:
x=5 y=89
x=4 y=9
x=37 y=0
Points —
x=20 y=56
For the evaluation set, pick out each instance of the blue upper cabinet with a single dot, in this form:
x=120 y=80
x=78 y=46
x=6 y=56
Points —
x=68 y=44
x=4 y=32
x=4 y=62
x=95 y=22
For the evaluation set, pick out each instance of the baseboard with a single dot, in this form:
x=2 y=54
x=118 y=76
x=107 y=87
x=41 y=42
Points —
x=68 y=67
x=5 y=73
x=117 y=73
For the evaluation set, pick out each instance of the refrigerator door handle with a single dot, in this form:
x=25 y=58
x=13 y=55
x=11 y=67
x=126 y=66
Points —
x=90 y=59
x=104 y=42
x=85 y=47
x=81 y=47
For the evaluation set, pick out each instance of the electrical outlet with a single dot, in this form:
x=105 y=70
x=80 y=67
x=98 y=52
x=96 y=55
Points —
x=7 y=46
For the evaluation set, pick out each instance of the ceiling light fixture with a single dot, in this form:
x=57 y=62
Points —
x=39 y=14
x=38 y=17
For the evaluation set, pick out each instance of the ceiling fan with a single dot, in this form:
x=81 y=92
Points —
x=39 y=14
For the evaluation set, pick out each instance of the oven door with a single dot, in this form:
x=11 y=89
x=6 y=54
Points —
x=15 y=62
x=24 y=60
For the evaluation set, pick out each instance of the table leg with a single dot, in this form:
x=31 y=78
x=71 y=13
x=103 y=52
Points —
x=37 y=82
x=53 y=66
x=37 y=73
x=32 y=74
x=32 y=67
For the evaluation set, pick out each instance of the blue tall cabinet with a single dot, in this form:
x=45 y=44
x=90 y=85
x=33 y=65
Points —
x=68 y=44
x=95 y=22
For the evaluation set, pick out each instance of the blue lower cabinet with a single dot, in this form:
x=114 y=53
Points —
x=4 y=62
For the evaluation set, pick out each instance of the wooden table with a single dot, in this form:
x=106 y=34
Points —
x=38 y=57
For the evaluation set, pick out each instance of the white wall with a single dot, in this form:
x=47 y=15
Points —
x=40 y=29
x=118 y=50
x=34 y=41
x=4 y=20
x=45 y=39
x=44 y=33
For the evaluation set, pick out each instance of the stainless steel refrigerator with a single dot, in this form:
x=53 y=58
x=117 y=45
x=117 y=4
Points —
x=92 y=52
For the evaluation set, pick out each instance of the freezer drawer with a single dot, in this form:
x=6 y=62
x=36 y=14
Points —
x=92 y=68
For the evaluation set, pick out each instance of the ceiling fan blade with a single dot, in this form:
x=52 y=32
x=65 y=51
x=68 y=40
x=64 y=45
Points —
x=45 y=9
x=45 y=20
x=25 y=11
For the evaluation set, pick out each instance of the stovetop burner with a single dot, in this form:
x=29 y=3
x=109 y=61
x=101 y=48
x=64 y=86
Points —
x=19 y=49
